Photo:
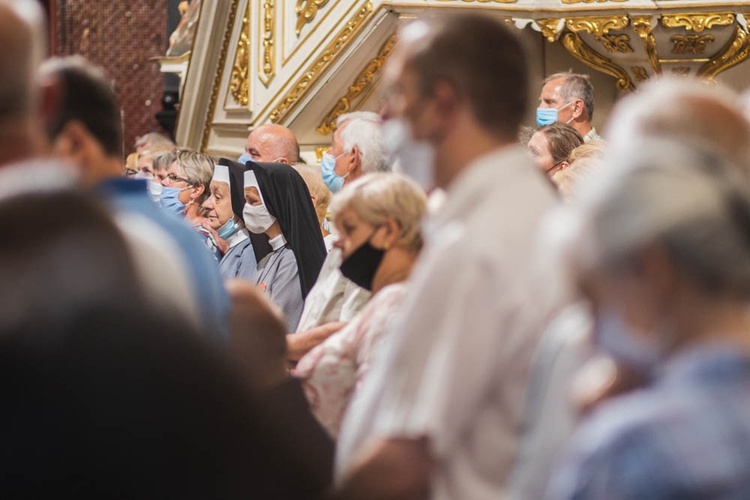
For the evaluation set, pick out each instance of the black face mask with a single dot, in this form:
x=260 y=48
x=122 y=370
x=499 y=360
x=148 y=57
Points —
x=360 y=267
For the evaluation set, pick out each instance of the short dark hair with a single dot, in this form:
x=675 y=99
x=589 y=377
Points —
x=86 y=96
x=484 y=61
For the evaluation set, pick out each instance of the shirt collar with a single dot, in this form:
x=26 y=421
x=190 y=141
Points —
x=237 y=238
x=277 y=242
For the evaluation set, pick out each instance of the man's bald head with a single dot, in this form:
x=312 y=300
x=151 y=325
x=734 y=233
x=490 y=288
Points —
x=23 y=45
x=702 y=114
x=272 y=143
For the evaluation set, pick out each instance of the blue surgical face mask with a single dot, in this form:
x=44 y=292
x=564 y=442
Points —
x=548 y=116
x=244 y=158
x=331 y=179
x=617 y=339
x=229 y=228
x=170 y=200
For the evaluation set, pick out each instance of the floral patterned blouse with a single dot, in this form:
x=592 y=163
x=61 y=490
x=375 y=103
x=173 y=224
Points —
x=331 y=372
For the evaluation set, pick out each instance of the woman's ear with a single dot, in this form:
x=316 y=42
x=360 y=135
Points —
x=197 y=191
x=391 y=233
x=563 y=165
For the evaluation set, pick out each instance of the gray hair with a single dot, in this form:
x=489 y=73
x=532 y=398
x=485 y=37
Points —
x=382 y=195
x=575 y=86
x=363 y=129
x=162 y=160
x=198 y=167
x=689 y=201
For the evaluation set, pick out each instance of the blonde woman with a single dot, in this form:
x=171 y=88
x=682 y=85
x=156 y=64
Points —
x=378 y=221
x=321 y=197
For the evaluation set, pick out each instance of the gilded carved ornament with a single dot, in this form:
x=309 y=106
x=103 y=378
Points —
x=640 y=73
x=217 y=78
x=735 y=52
x=482 y=1
x=691 y=44
x=550 y=28
x=581 y=51
x=344 y=37
x=363 y=80
x=239 y=83
x=643 y=28
x=306 y=11
x=570 y=2
x=267 y=69
x=697 y=22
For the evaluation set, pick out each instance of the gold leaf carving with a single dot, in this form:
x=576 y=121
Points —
x=640 y=73
x=617 y=43
x=360 y=84
x=690 y=44
x=267 y=70
x=697 y=22
x=642 y=27
x=217 y=78
x=581 y=51
x=239 y=84
x=597 y=26
x=735 y=52
x=482 y=1
x=550 y=28
x=343 y=39
x=306 y=11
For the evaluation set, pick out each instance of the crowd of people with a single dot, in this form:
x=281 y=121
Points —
x=450 y=306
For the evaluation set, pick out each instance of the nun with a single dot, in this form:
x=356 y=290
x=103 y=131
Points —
x=278 y=204
x=224 y=210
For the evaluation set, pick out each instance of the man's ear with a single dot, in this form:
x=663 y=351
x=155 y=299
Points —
x=355 y=162
x=73 y=143
x=578 y=109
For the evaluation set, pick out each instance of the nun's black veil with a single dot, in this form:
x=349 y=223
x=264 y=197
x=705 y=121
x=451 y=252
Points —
x=287 y=198
x=261 y=247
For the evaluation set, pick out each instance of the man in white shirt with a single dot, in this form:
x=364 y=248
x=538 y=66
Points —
x=572 y=96
x=441 y=410
x=356 y=150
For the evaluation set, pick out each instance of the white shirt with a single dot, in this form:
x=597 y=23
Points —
x=454 y=368
x=333 y=298
x=591 y=136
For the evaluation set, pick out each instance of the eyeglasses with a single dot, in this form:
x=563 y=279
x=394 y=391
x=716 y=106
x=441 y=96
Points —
x=174 y=178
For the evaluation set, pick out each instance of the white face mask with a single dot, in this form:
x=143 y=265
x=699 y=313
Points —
x=413 y=158
x=257 y=218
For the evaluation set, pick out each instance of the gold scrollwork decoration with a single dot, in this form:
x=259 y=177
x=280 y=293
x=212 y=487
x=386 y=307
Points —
x=483 y=1
x=640 y=74
x=550 y=28
x=691 y=44
x=642 y=27
x=306 y=11
x=597 y=26
x=217 y=78
x=290 y=101
x=617 y=43
x=267 y=62
x=361 y=83
x=697 y=21
x=581 y=51
x=735 y=52
x=239 y=84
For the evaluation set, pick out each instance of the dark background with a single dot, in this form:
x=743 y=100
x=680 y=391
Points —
x=122 y=37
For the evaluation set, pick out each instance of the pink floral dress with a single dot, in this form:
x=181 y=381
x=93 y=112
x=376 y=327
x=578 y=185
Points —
x=331 y=372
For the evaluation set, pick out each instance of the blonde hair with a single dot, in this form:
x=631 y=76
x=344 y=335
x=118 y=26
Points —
x=312 y=177
x=379 y=196
x=592 y=149
x=569 y=180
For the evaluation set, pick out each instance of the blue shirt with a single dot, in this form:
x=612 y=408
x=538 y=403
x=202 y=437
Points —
x=686 y=437
x=131 y=196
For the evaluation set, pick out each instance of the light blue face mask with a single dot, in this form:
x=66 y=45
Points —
x=616 y=338
x=548 y=116
x=170 y=200
x=244 y=158
x=331 y=179
x=155 y=190
x=229 y=228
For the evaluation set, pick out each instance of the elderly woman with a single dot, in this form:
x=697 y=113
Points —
x=378 y=220
x=186 y=187
x=551 y=145
x=278 y=204
x=662 y=251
